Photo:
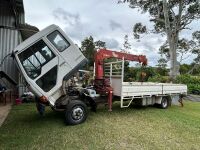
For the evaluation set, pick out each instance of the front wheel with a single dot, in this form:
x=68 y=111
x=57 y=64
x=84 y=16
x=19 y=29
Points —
x=76 y=112
x=164 y=103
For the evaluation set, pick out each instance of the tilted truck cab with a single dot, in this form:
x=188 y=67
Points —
x=46 y=60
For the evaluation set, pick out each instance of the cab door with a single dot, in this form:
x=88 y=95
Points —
x=40 y=64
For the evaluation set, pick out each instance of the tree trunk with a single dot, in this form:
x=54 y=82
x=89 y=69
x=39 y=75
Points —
x=172 y=38
x=194 y=67
x=174 y=64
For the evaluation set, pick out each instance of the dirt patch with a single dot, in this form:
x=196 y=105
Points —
x=4 y=110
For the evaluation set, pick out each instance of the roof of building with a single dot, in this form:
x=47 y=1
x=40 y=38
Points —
x=27 y=30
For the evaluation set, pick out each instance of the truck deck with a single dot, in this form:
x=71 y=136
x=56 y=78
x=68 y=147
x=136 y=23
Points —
x=147 y=89
x=138 y=90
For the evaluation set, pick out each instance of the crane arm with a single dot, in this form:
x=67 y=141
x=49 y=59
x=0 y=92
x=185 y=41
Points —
x=105 y=53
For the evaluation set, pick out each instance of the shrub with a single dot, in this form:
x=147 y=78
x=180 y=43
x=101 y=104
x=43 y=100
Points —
x=193 y=82
x=159 y=78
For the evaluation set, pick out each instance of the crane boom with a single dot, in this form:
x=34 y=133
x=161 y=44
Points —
x=102 y=54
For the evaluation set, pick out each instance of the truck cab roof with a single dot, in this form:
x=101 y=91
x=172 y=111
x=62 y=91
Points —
x=35 y=37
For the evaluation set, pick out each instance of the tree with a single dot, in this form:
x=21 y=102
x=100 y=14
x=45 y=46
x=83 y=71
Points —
x=162 y=63
x=169 y=18
x=89 y=46
x=126 y=45
x=135 y=73
x=195 y=44
x=183 y=50
x=100 y=44
x=161 y=69
x=184 y=68
x=125 y=49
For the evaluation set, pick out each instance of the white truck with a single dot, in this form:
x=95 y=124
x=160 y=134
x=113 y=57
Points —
x=49 y=58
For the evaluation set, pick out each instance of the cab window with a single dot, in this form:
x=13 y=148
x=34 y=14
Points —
x=48 y=80
x=34 y=57
x=58 y=41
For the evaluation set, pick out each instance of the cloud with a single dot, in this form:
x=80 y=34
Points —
x=111 y=43
x=78 y=29
x=114 y=25
x=67 y=17
x=72 y=24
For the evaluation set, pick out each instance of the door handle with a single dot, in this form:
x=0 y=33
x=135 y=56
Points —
x=62 y=63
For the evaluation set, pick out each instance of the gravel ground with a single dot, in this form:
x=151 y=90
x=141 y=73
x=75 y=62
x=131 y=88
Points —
x=191 y=97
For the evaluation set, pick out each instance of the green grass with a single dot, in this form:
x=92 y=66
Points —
x=129 y=128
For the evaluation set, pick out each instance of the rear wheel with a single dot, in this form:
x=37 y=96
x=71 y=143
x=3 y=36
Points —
x=164 y=103
x=76 y=112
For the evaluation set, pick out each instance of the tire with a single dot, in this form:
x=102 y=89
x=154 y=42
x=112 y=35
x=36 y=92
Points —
x=164 y=103
x=76 y=112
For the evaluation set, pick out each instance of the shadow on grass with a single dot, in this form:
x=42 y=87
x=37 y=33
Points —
x=49 y=118
x=27 y=114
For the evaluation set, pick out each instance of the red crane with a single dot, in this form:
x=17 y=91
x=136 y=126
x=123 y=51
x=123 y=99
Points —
x=104 y=53
x=101 y=84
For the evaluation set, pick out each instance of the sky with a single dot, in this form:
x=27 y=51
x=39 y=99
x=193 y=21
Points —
x=105 y=20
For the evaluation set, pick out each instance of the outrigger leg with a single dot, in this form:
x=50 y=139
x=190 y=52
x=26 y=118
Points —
x=110 y=95
x=181 y=100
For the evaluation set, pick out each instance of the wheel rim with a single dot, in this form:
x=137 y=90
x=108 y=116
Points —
x=164 y=103
x=77 y=113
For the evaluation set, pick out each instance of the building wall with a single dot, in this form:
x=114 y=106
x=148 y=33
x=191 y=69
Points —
x=10 y=36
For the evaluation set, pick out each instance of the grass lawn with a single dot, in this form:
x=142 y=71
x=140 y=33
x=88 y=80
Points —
x=129 y=128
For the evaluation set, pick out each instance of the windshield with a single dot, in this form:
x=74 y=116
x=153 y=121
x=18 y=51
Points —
x=34 y=57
